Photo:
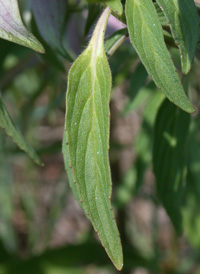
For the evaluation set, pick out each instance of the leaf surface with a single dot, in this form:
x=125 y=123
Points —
x=146 y=36
x=115 y=6
x=171 y=130
x=161 y=16
x=7 y=123
x=115 y=40
x=69 y=170
x=87 y=127
x=12 y=28
x=184 y=24
x=50 y=20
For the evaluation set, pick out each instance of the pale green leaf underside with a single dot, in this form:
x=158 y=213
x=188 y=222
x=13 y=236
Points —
x=115 y=6
x=12 y=28
x=171 y=130
x=69 y=170
x=184 y=24
x=87 y=127
x=8 y=125
x=146 y=36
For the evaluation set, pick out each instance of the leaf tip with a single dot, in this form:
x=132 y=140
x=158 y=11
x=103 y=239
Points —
x=119 y=267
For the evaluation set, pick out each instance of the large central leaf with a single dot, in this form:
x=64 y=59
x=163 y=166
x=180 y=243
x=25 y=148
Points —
x=87 y=127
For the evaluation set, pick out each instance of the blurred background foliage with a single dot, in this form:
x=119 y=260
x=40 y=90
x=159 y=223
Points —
x=42 y=229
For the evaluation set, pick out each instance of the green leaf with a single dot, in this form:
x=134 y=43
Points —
x=146 y=36
x=12 y=28
x=171 y=130
x=137 y=82
x=87 y=127
x=7 y=232
x=50 y=20
x=69 y=170
x=7 y=123
x=115 y=6
x=115 y=40
x=184 y=23
x=191 y=213
x=161 y=16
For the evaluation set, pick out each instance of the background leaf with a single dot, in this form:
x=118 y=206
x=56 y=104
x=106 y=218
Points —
x=12 y=28
x=169 y=152
x=113 y=42
x=184 y=24
x=11 y=130
x=50 y=18
x=146 y=36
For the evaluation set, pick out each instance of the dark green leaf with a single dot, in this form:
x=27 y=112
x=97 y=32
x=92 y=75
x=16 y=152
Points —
x=94 y=11
x=7 y=123
x=50 y=19
x=171 y=130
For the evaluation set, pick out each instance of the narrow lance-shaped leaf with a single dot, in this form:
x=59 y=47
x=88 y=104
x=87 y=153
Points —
x=115 y=6
x=171 y=130
x=7 y=123
x=184 y=23
x=87 y=127
x=12 y=28
x=161 y=16
x=146 y=36
x=50 y=19
x=115 y=40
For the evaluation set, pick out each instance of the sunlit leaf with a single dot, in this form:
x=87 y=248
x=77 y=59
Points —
x=8 y=125
x=184 y=24
x=87 y=127
x=146 y=36
x=12 y=28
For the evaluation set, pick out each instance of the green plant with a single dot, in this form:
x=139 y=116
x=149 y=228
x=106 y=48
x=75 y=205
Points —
x=165 y=37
